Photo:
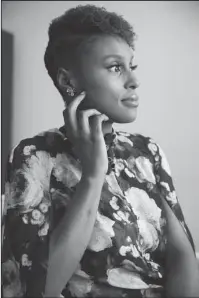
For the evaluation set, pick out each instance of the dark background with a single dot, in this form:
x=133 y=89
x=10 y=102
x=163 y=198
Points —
x=6 y=99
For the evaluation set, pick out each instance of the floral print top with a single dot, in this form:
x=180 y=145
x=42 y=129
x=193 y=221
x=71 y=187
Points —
x=126 y=253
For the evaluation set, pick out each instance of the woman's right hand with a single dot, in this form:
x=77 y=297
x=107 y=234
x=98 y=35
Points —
x=87 y=137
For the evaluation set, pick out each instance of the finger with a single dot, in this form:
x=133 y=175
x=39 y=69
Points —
x=74 y=103
x=96 y=126
x=84 y=126
x=70 y=114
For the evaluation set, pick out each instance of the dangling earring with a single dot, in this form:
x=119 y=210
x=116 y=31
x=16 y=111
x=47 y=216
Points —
x=70 y=91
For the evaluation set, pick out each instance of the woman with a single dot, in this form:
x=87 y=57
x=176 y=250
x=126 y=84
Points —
x=91 y=211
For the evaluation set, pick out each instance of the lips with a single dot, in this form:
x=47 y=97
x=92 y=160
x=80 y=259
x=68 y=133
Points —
x=131 y=99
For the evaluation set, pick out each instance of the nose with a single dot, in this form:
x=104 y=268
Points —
x=132 y=81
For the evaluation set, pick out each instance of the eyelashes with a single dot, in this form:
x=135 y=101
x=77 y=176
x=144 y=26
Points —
x=120 y=67
x=134 y=67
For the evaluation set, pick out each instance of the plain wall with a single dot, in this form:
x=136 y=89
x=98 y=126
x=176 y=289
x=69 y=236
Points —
x=168 y=57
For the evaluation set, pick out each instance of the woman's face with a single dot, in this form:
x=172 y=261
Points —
x=107 y=75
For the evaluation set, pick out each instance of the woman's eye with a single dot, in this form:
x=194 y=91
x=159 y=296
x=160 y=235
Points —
x=115 y=68
x=133 y=67
x=118 y=68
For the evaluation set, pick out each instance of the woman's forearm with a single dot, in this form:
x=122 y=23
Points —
x=182 y=278
x=70 y=239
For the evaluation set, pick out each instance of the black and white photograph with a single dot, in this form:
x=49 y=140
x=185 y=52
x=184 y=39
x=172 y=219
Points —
x=100 y=144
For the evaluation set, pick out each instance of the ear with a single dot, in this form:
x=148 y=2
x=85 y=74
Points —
x=64 y=79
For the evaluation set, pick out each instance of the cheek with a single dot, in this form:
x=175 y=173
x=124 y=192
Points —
x=105 y=97
x=102 y=87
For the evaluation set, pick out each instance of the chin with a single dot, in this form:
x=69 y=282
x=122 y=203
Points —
x=125 y=118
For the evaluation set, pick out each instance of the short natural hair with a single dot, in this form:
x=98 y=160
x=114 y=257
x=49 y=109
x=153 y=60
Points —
x=70 y=32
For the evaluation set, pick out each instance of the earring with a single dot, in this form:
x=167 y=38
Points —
x=70 y=91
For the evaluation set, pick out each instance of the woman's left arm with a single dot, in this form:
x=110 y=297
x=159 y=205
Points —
x=182 y=271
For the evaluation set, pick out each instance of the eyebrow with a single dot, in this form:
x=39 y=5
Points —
x=116 y=56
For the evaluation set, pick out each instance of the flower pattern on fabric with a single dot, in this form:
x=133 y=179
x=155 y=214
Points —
x=119 y=166
x=131 y=248
x=124 y=256
x=120 y=277
x=44 y=230
x=141 y=167
x=143 y=206
x=27 y=149
x=35 y=174
x=149 y=236
x=102 y=233
x=25 y=261
x=113 y=203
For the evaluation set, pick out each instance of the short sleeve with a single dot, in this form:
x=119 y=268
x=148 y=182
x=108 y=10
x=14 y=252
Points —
x=165 y=184
x=26 y=222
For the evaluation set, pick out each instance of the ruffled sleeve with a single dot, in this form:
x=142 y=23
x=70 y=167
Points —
x=26 y=222
x=165 y=184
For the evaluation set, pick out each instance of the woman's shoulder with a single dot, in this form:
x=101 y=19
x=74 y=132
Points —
x=143 y=146
x=135 y=135
x=138 y=140
x=49 y=142
x=46 y=138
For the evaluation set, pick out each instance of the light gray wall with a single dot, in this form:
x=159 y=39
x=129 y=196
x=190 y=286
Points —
x=168 y=57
